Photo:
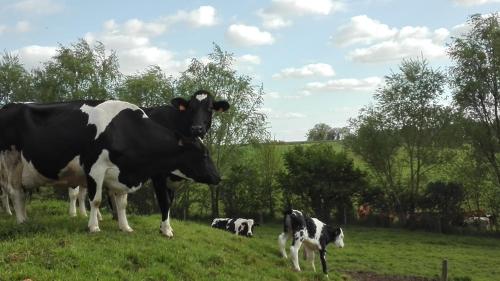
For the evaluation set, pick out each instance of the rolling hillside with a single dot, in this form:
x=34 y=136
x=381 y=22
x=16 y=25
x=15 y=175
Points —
x=53 y=246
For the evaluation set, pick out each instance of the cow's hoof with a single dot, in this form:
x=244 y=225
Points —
x=167 y=233
x=72 y=215
x=127 y=229
x=94 y=229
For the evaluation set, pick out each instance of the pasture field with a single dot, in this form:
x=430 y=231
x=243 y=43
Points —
x=53 y=246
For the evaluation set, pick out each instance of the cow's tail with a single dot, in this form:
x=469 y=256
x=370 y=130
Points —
x=287 y=218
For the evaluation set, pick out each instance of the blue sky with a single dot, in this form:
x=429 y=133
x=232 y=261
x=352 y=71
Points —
x=319 y=60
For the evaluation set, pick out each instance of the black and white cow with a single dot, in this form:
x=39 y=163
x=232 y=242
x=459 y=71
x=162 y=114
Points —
x=238 y=226
x=189 y=118
x=96 y=143
x=314 y=234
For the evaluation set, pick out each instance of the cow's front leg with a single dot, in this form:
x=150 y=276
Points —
x=165 y=197
x=322 y=256
x=121 y=211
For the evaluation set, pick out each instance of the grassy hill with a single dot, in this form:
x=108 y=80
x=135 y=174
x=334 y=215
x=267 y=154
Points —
x=53 y=246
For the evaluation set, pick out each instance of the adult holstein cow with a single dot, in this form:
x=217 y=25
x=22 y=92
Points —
x=96 y=143
x=190 y=118
x=238 y=226
x=314 y=234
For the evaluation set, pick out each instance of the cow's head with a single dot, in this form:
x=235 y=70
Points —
x=195 y=162
x=199 y=109
x=246 y=228
x=338 y=237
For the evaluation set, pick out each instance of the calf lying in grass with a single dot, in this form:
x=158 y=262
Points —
x=314 y=234
x=237 y=226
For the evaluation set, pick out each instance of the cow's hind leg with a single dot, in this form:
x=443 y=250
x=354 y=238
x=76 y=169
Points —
x=282 y=244
x=73 y=195
x=121 y=211
x=82 y=195
x=94 y=185
x=298 y=238
x=5 y=202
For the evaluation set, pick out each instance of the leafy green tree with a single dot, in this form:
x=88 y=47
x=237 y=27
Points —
x=476 y=85
x=322 y=177
x=15 y=81
x=242 y=124
x=446 y=199
x=150 y=88
x=411 y=99
x=319 y=132
x=378 y=143
x=78 y=72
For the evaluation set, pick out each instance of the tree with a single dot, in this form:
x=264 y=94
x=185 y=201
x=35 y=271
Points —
x=150 y=88
x=411 y=101
x=15 y=81
x=323 y=178
x=476 y=85
x=78 y=72
x=378 y=143
x=242 y=124
x=319 y=132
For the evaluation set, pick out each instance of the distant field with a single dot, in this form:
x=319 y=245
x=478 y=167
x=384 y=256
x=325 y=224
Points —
x=53 y=246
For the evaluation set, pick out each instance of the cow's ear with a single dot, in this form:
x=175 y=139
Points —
x=221 y=106
x=256 y=224
x=179 y=103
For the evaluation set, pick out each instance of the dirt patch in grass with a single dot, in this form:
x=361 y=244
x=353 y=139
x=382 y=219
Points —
x=371 y=276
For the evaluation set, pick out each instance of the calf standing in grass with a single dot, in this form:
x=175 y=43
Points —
x=239 y=226
x=314 y=234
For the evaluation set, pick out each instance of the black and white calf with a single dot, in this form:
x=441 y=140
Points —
x=314 y=234
x=92 y=143
x=238 y=226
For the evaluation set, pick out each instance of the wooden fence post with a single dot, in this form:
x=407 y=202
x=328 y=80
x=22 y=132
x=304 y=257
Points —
x=444 y=274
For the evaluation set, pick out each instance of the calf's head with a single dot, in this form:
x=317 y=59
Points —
x=199 y=109
x=337 y=235
x=246 y=228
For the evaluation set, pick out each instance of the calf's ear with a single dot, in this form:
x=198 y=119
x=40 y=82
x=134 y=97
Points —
x=179 y=103
x=256 y=224
x=221 y=106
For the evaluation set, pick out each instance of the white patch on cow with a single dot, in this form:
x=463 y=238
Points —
x=178 y=173
x=339 y=240
x=238 y=226
x=201 y=97
x=314 y=242
x=216 y=220
x=102 y=114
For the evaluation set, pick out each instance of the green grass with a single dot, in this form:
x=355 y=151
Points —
x=52 y=246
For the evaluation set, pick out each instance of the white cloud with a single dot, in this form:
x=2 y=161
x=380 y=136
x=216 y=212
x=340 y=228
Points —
x=362 y=29
x=281 y=114
x=246 y=35
x=390 y=44
x=32 y=56
x=3 y=28
x=347 y=84
x=203 y=16
x=273 y=21
x=41 y=7
x=23 y=26
x=309 y=70
x=278 y=14
x=251 y=59
x=474 y=2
